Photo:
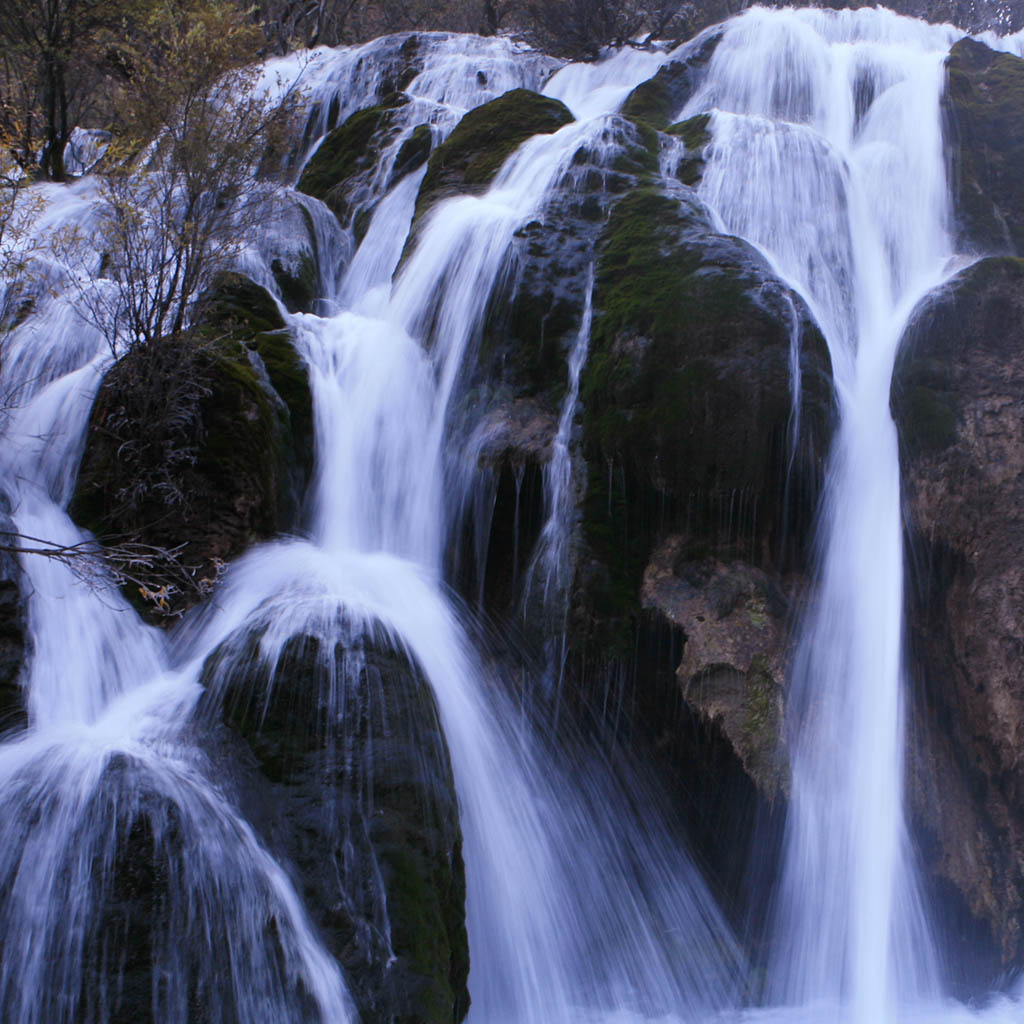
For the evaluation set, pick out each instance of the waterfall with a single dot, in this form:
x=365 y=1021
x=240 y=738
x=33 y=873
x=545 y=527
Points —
x=582 y=907
x=828 y=155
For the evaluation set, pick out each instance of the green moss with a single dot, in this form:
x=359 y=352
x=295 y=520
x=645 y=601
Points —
x=640 y=159
x=694 y=131
x=929 y=420
x=237 y=302
x=639 y=279
x=420 y=930
x=686 y=393
x=240 y=310
x=651 y=102
x=415 y=151
x=695 y=135
x=656 y=101
x=484 y=139
x=760 y=705
x=350 y=150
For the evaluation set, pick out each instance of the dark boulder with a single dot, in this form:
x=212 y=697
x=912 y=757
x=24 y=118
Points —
x=659 y=100
x=689 y=424
x=472 y=155
x=957 y=400
x=161 y=904
x=734 y=620
x=13 y=628
x=343 y=170
x=353 y=788
x=201 y=443
x=982 y=106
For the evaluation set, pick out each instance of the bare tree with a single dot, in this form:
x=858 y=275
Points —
x=582 y=28
x=159 y=575
x=182 y=187
x=54 y=55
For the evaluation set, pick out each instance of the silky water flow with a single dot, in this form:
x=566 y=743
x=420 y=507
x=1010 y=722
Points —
x=578 y=911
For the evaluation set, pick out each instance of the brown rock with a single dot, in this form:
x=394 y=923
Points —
x=735 y=657
x=958 y=399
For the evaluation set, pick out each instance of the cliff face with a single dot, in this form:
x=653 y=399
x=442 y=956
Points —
x=957 y=397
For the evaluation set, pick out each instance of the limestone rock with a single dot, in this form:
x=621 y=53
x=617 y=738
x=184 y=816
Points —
x=958 y=400
x=688 y=421
x=982 y=106
x=733 y=670
x=472 y=155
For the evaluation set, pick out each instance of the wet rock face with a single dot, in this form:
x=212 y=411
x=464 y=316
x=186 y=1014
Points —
x=204 y=442
x=659 y=99
x=688 y=422
x=982 y=106
x=13 y=631
x=351 y=784
x=472 y=155
x=344 y=169
x=733 y=617
x=514 y=389
x=957 y=401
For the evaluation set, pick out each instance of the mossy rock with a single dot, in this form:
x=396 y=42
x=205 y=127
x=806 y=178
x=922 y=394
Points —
x=361 y=804
x=414 y=152
x=696 y=135
x=535 y=313
x=201 y=442
x=983 y=105
x=962 y=323
x=348 y=154
x=687 y=398
x=240 y=308
x=659 y=100
x=483 y=140
x=956 y=400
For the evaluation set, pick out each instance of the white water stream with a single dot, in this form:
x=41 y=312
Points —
x=828 y=156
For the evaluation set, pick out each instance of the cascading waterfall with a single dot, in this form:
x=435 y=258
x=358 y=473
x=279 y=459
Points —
x=827 y=155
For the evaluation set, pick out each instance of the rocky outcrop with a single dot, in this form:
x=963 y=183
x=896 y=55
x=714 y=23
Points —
x=957 y=399
x=345 y=169
x=353 y=788
x=200 y=445
x=688 y=423
x=658 y=100
x=13 y=629
x=472 y=155
x=513 y=394
x=698 y=506
x=982 y=107
x=733 y=618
